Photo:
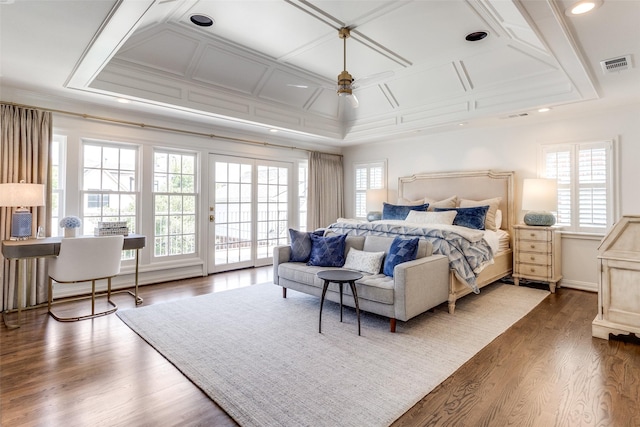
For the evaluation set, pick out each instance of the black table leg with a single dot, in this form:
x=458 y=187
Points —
x=324 y=292
x=355 y=298
x=341 y=301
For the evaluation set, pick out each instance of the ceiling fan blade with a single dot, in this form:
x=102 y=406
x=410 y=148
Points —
x=372 y=79
x=353 y=100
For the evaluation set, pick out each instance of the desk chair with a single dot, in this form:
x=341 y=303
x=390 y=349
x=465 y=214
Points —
x=85 y=259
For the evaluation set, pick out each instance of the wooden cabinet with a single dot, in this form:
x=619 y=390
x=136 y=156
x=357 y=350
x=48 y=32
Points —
x=619 y=284
x=537 y=255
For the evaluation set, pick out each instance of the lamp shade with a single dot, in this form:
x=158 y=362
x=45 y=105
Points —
x=21 y=195
x=539 y=198
x=375 y=199
x=540 y=194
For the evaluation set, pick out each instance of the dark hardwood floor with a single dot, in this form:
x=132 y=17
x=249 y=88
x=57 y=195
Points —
x=546 y=370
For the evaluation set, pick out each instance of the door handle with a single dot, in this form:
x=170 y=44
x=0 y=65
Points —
x=212 y=218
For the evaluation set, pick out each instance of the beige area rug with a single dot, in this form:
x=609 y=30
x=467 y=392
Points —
x=261 y=358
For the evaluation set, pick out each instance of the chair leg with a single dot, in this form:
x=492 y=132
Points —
x=93 y=297
x=93 y=314
x=50 y=297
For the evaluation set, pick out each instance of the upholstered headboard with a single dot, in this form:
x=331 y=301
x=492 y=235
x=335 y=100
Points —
x=474 y=185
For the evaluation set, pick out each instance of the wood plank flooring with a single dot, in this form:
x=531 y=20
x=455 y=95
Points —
x=546 y=370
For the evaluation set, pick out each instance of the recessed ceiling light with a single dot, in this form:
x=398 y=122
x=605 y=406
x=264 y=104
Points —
x=476 y=36
x=582 y=6
x=273 y=130
x=123 y=101
x=544 y=110
x=201 y=20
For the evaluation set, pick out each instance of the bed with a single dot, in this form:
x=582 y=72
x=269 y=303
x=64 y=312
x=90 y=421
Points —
x=468 y=186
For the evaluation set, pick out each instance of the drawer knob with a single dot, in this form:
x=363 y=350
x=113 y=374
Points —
x=533 y=258
x=532 y=235
x=533 y=246
x=533 y=270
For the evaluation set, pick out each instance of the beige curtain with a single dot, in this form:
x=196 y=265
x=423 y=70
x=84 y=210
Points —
x=326 y=190
x=25 y=138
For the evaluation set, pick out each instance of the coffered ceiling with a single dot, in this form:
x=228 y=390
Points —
x=274 y=63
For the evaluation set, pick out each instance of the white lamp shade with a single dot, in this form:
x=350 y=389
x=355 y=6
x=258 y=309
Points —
x=21 y=195
x=375 y=199
x=540 y=194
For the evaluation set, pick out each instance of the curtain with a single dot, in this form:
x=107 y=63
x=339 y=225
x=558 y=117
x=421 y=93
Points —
x=25 y=139
x=326 y=190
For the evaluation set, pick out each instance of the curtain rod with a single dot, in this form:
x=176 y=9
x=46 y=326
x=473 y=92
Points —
x=168 y=129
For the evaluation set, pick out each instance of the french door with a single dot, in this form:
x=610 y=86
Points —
x=249 y=211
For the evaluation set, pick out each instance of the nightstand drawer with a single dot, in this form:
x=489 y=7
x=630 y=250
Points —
x=533 y=246
x=529 y=234
x=533 y=271
x=541 y=258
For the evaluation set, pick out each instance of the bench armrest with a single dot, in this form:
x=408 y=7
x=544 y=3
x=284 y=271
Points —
x=281 y=254
x=420 y=285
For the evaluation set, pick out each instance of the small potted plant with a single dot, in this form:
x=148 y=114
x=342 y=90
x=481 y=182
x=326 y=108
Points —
x=71 y=224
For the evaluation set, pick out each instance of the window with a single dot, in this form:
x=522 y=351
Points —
x=585 y=178
x=58 y=146
x=368 y=176
x=174 y=203
x=109 y=186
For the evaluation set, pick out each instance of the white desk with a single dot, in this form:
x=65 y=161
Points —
x=22 y=250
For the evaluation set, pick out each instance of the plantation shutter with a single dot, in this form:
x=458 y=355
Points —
x=367 y=176
x=584 y=176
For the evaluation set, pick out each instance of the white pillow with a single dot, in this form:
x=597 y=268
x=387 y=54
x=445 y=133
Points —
x=406 y=202
x=444 y=217
x=367 y=262
x=449 y=202
x=498 y=219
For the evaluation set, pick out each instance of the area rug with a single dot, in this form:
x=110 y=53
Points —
x=260 y=356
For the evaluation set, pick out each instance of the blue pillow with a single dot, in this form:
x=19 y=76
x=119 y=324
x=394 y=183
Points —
x=327 y=251
x=390 y=211
x=469 y=217
x=401 y=250
x=300 y=245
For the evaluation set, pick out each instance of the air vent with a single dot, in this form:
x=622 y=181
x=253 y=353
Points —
x=513 y=116
x=614 y=65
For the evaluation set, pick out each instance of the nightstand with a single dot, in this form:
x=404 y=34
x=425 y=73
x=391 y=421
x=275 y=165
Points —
x=537 y=254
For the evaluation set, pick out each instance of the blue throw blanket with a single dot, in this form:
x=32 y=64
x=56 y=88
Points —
x=466 y=249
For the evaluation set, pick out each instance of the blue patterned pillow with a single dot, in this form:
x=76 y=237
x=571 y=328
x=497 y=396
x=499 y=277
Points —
x=390 y=211
x=469 y=217
x=300 y=245
x=401 y=250
x=327 y=251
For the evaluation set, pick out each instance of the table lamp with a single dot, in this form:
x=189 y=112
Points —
x=21 y=196
x=539 y=198
x=375 y=199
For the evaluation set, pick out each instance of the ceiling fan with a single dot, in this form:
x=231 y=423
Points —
x=346 y=85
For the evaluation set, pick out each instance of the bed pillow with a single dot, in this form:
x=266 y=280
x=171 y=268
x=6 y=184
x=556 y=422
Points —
x=449 y=202
x=367 y=262
x=429 y=218
x=300 y=245
x=400 y=212
x=498 y=219
x=327 y=251
x=469 y=217
x=490 y=221
x=401 y=250
x=407 y=202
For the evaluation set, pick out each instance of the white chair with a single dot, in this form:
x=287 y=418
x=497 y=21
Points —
x=85 y=259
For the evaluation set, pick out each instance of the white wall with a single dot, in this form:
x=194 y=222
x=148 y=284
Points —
x=515 y=147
